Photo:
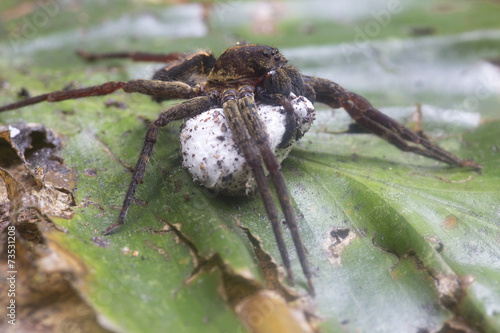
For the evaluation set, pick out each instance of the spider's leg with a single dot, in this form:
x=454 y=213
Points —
x=197 y=64
x=258 y=132
x=186 y=109
x=193 y=69
x=181 y=66
x=246 y=143
x=135 y=56
x=387 y=128
x=163 y=89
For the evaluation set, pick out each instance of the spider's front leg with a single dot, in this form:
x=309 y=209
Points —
x=375 y=121
x=251 y=135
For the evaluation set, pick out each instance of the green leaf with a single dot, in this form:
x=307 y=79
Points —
x=397 y=242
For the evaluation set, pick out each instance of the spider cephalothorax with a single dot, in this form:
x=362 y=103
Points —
x=245 y=62
x=240 y=79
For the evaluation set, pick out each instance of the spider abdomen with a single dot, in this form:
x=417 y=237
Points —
x=213 y=159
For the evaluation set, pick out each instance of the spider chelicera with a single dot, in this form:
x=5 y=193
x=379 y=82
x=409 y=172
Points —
x=239 y=78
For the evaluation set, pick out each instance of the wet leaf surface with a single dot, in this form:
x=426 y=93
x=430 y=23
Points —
x=398 y=242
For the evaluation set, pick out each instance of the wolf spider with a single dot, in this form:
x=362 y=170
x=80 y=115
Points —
x=239 y=78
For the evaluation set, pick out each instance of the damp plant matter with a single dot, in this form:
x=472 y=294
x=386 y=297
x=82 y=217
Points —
x=240 y=78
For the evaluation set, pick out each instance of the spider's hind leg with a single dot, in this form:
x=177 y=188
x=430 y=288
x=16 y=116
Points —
x=135 y=56
x=380 y=124
x=188 y=69
x=192 y=69
x=181 y=66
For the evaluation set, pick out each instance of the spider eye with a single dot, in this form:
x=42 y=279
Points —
x=266 y=53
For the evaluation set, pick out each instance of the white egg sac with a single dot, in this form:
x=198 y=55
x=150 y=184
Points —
x=214 y=160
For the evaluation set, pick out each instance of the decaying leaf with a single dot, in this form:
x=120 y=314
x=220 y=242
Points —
x=34 y=185
x=32 y=173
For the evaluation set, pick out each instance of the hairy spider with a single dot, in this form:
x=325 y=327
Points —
x=238 y=80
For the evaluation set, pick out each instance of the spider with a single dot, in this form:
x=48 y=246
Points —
x=241 y=78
